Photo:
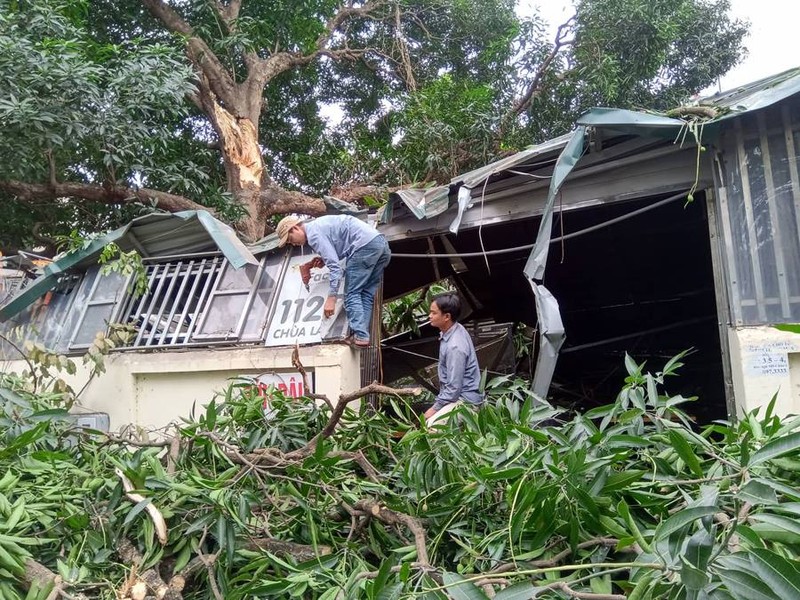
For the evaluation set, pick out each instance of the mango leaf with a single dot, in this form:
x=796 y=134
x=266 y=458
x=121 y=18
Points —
x=756 y=492
x=775 y=448
x=136 y=510
x=692 y=577
x=681 y=519
x=459 y=588
x=745 y=586
x=524 y=590
x=788 y=525
x=698 y=549
x=780 y=574
x=686 y=453
x=379 y=583
x=391 y=592
x=781 y=488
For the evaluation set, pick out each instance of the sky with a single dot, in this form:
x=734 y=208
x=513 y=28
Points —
x=771 y=43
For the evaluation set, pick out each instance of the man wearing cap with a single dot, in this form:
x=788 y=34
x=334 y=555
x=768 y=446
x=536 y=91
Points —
x=336 y=238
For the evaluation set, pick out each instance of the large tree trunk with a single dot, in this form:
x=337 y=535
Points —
x=248 y=180
x=244 y=168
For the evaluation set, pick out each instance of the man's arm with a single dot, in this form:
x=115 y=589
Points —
x=450 y=390
x=322 y=246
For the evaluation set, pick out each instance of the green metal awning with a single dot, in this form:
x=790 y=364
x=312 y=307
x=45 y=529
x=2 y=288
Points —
x=153 y=235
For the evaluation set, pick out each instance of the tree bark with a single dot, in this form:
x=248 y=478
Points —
x=111 y=194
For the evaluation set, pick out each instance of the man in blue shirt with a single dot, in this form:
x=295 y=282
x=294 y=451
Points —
x=459 y=373
x=336 y=238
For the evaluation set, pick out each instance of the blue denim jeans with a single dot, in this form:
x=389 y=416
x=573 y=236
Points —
x=362 y=274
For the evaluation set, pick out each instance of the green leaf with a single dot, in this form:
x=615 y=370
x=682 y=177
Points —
x=140 y=506
x=681 y=519
x=692 y=577
x=523 y=590
x=625 y=513
x=686 y=453
x=698 y=549
x=211 y=415
x=757 y=493
x=775 y=448
x=631 y=366
x=620 y=481
x=778 y=573
x=745 y=586
x=490 y=474
x=786 y=524
x=459 y=588
x=383 y=576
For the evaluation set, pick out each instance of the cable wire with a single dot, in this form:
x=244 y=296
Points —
x=568 y=236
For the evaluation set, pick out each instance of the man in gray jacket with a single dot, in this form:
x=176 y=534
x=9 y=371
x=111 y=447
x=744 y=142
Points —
x=336 y=238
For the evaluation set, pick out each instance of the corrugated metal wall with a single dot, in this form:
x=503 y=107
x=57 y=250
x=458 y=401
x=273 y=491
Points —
x=760 y=214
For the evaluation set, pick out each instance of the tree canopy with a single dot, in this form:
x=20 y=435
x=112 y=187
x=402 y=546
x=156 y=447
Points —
x=111 y=108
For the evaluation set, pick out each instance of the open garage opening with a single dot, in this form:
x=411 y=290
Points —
x=642 y=286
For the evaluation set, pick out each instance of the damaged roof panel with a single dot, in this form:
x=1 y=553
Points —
x=152 y=235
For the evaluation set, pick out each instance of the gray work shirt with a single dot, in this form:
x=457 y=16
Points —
x=459 y=373
x=336 y=238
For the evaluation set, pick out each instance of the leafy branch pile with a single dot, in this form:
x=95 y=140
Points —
x=515 y=501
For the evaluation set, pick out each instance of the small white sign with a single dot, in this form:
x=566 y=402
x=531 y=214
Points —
x=298 y=316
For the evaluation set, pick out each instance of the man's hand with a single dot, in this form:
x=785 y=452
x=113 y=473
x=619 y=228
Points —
x=330 y=305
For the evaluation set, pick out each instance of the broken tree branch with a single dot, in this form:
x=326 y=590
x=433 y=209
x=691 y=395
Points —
x=278 y=201
x=336 y=415
x=112 y=194
x=560 y=585
x=155 y=515
x=555 y=560
x=392 y=517
x=704 y=112
x=300 y=552
x=306 y=387
x=197 y=50
x=130 y=555
x=36 y=574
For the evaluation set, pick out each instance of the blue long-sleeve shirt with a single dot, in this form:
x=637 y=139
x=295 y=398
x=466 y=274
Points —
x=336 y=238
x=459 y=373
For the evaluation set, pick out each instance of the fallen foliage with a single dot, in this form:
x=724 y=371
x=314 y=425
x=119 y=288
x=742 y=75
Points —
x=518 y=500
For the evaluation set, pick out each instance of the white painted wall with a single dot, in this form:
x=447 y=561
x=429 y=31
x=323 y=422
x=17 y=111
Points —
x=765 y=362
x=153 y=389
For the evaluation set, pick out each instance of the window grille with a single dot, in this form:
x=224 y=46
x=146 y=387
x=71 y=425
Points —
x=177 y=292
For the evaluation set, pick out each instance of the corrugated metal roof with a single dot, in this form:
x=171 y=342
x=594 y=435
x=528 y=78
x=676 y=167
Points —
x=428 y=203
x=757 y=94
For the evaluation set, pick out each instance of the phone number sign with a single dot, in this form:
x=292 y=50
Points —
x=298 y=316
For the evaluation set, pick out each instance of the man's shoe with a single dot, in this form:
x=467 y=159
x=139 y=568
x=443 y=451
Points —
x=354 y=341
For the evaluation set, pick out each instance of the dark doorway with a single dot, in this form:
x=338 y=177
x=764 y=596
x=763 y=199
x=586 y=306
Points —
x=643 y=285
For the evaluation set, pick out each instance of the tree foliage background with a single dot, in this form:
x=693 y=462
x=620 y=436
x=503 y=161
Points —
x=110 y=108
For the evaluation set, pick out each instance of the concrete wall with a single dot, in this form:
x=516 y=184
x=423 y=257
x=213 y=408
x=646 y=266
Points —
x=765 y=362
x=152 y=389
